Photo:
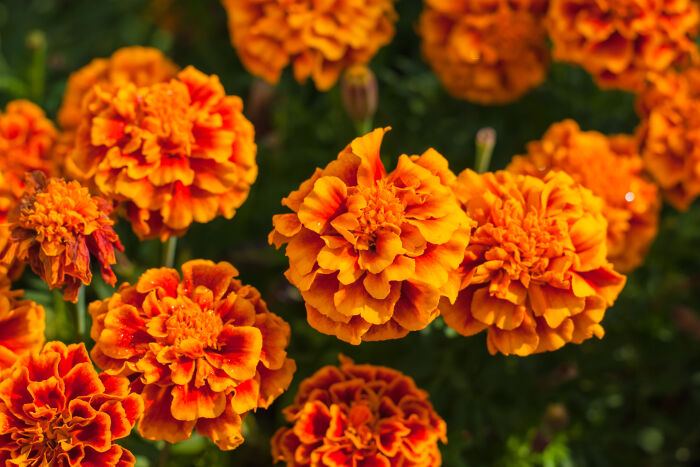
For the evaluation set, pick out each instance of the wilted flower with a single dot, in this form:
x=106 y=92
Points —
x=620 y=41
x=56 y=410
x=56 y=228
x=174 y=153
x=612 y=169
x=484 y=51
x=203 y=350
x=669 y=136
x=535 y=273
x=371 y=252
x=360 y=415
x=21 y=325
x=318 y=39
x=360 y=93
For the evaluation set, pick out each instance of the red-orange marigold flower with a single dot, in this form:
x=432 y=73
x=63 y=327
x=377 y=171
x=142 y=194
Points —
x=620 y=41
x=203 y=350
x=535 y=273
x=21 y=324
x=141 y=66
x=669 y=135
x=174 y=153
x=360 y=415
x=612 y=169
x=56 y=227
x=26 y=141
x=486 y=51
x=56 y=410
x=371 y=252
x=318 y=39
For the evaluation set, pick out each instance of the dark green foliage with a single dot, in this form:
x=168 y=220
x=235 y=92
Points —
x=632 y=398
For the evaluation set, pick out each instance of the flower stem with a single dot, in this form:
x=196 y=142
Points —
x=169 y=249
x=163 y=457
x=485 y=141
x=364 y=127
x=81 y=314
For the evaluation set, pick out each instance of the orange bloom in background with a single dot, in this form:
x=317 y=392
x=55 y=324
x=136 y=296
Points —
x=484 y=51
x=56 y=410
x=371 y=252
x=142 y=66
x=535 y=273
x=612 y=169
x=203 y=350
x=620 y=42
x=669 y=136
x=360 y=415
x=318 y=39
x=21 y=325
x=173 y=153
x=56 y=227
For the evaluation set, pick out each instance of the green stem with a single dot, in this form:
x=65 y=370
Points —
x=36 y=74
x=169 y=250
x=164 y=453
x=364 y=127
x=79 y=315
x=485 y=142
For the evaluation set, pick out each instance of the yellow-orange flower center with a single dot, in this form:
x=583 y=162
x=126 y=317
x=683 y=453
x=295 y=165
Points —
x=190 y=323
x=169 y=115
x=524 y=241
x=383 y=210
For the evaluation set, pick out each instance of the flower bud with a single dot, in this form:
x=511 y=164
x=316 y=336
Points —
x=360 y=93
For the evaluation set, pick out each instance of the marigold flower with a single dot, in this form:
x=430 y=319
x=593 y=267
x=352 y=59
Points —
x=668 y=135
x=174 y=153
x=535 y=273
x=21 y=324
x=360 y=415
x=56 y=410
x=56 y=227
x=612 y=169
x=620 y=42
x=142 y=66
x=372 y=252
x=203 y=350
x=318 y=39
x=484 y=51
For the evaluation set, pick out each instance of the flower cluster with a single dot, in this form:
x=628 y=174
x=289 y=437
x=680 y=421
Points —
x=535 y=273
x=620 y=42
x=56 y=410
x=318 y=39
x=21 y=325
x=611 y=168
x=56 y=227
x=202 y=351
x=485 y=51
x=173 y=153
x=360 y=415
x=668 y=135
x=371 y=252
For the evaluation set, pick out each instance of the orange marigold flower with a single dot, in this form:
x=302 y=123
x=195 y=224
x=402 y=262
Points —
x=535 y=273
x=360 y=415
x=56 y=227
x=484 y=51
x=668 y=135
x=203 y=350
x=56 y=410
x=142 y=66
x=174 y=153
x=612 y=169
x=319 y=39
x=21 y=324
x=620 y=41
x=371 y=252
